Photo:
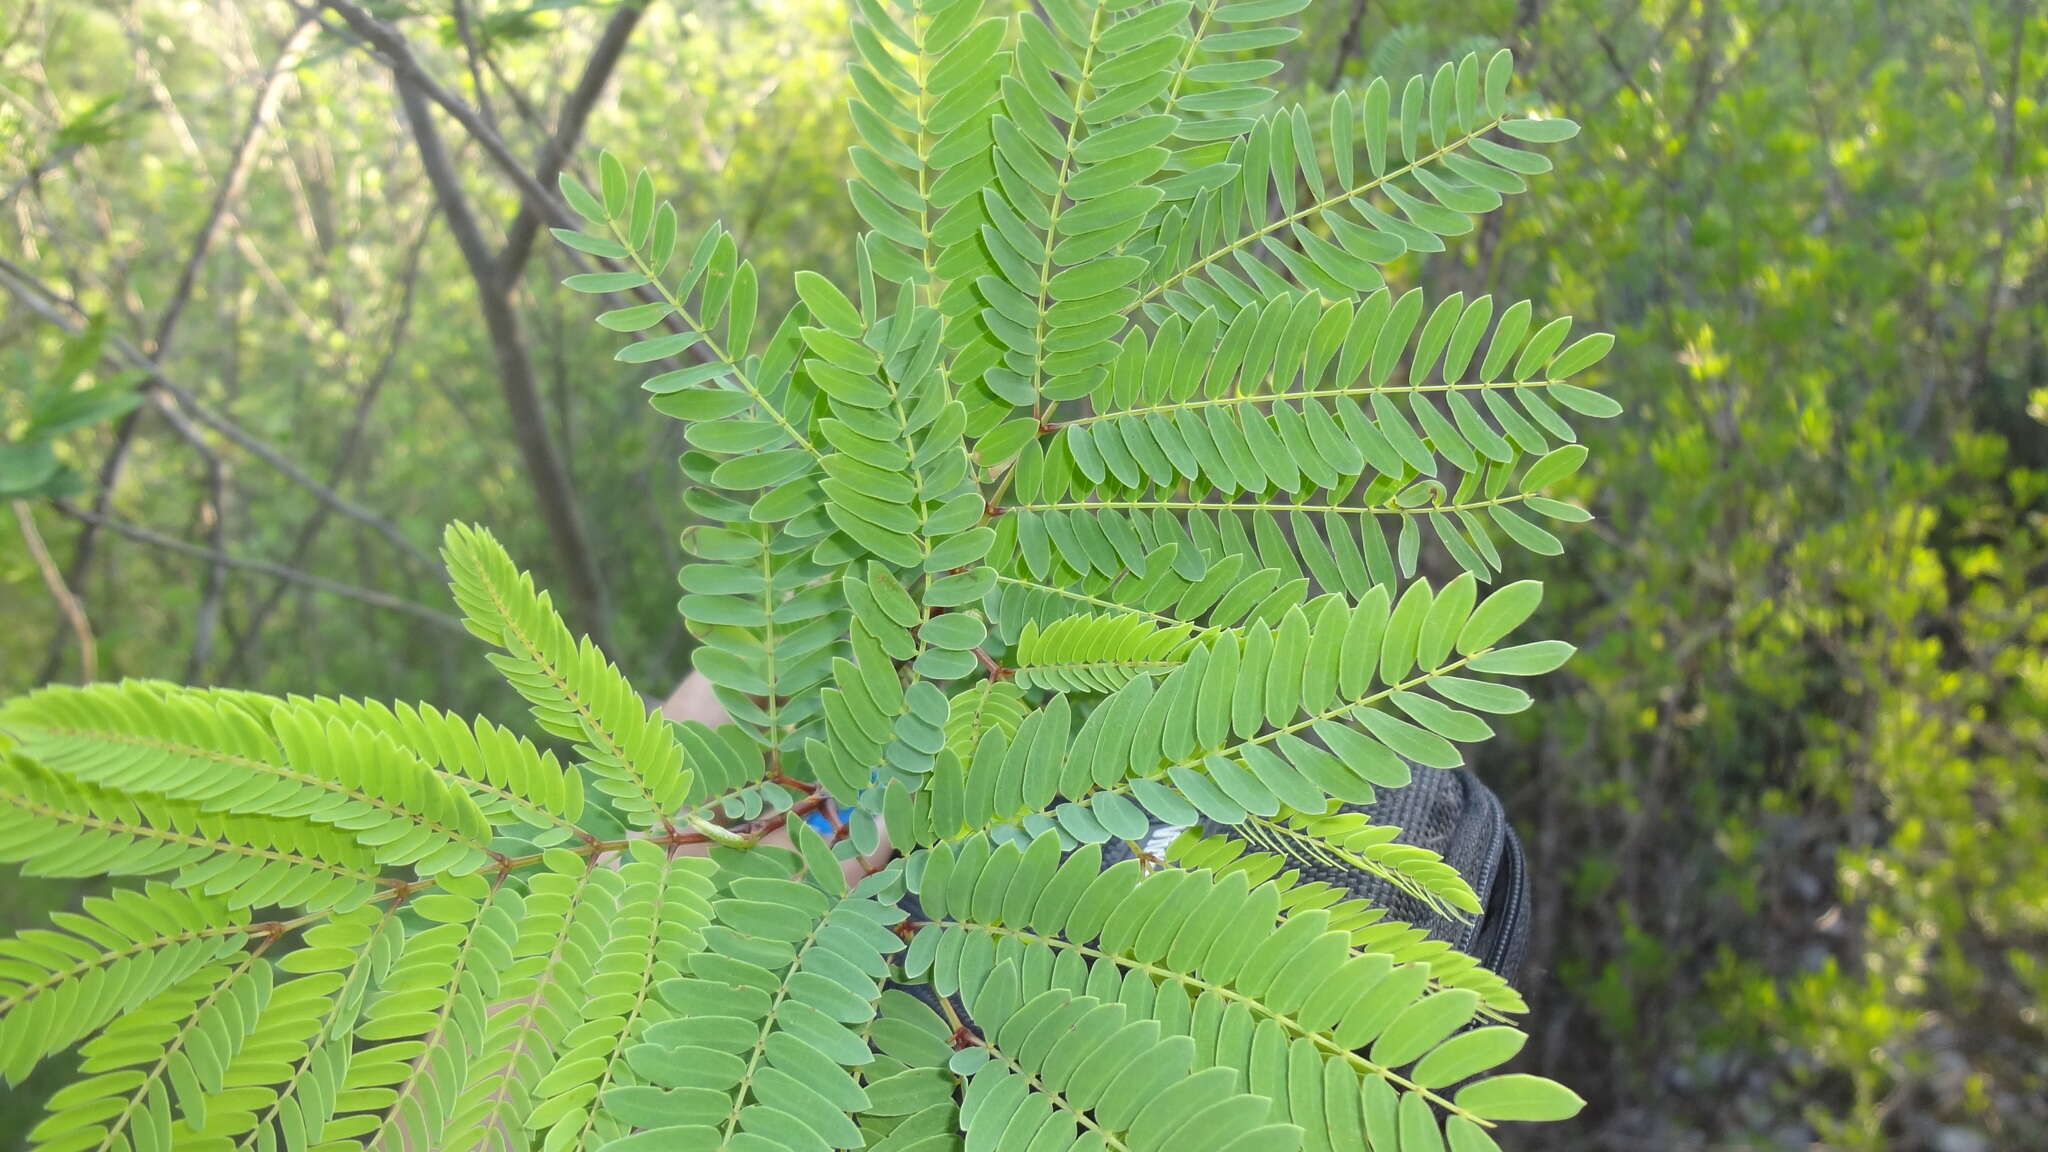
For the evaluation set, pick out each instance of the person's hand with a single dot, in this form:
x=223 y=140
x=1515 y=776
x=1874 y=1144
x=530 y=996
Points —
x=693 y=699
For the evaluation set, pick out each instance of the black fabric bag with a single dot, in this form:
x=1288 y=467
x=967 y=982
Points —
x=1449 y=813
x=1459 y=818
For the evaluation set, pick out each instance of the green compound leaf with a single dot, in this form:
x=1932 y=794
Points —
x=1110 y=487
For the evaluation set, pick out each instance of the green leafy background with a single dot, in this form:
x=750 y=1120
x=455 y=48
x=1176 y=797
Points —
x=1786 y=810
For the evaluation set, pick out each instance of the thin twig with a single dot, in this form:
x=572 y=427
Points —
x=398 y=57
x=66 y=315
x=67 y=603
x=988 y=664
x=219 y=215
x=473 y=57
x=597 y=72
x=386 y=45
x=393 y=341
x=1352 y=41
x=269 y=568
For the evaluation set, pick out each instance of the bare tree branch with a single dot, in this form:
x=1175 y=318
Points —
x=405 y=67
x=553 y=491
x=262 y=110
x=157 y=539
x=393 y=341
x=538 y=200
x=220 y=214
x=496 y=274
x=1349 y=43
x=597 y=73
x=66 y=315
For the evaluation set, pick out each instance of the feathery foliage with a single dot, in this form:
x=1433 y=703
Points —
x=1105 y=498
